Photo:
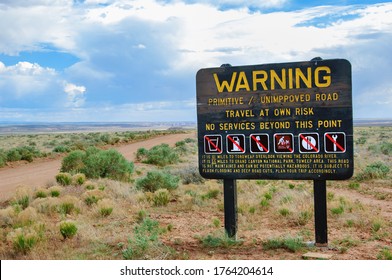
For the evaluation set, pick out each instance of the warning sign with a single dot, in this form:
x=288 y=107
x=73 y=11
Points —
x=309 y=143
x=335 y=142
x=291 y=120
x=259 y=143
x=284 y=142
x=235 y=143
x=213 y=144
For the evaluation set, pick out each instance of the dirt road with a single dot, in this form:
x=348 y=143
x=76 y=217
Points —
x=38 y=174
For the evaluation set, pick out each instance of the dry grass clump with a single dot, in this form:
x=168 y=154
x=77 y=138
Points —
x=7 y=216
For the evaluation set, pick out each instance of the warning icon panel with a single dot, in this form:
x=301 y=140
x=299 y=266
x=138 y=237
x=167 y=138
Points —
x=309 y=143
x=259 y=143
x=235 y=143
x=213 y=144
x=335 y=142
x=284 y=142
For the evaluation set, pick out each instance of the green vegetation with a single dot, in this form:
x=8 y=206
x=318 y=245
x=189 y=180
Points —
x=156 y=180
x=95 y=163
x=291 y=244
x=145 y=238
x=160 y=155
x=68 y=229
x=377 y=170
x=222 y=241
x=22 y=147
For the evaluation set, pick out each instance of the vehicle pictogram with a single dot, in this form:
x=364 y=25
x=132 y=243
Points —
x=309 y=143
x=335 y=142
x=235 y=143
x=213 y=144
x=259 y=143
x=284 y=143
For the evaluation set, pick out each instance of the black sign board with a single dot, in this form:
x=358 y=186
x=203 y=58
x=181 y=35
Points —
x=276 y=121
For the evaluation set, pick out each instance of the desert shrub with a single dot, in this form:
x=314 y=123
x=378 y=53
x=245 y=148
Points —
x=141 y=154
x=13 y=155
x=64 y=179
x=211 y=194
x=108 y=164
x=381 y=148
x=189 y=175
x=3 y=158
x=66 y=208
x=161 y=197
x=26 y=216
x=73 y=162
x=27 y=153
x=22 y=240
x=7 y=216
x=157 y=180
x=41 y=193
x=377 y=170
x=78 y=179
x=95 y=163
x=303 y=218
x=160 y=155
x=68 y=229
x=105 y=207
x=284 y=212
x=90 y=185
x=54 y=191
x=61 y=149
x=145 y=239
x=386 y=148
x=90 y=200
x=361 y=140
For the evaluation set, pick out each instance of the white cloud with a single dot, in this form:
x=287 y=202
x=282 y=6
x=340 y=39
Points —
x=75 y=95
x=24 y=79
x=146 y=52
x=27 y=24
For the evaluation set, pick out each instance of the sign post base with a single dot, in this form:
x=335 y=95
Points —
x=230 y=205
x=320 y=212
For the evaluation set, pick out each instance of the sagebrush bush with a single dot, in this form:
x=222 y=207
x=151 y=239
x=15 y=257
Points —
x=95 y=163
x=377 y=170
x=189 y=175
x=160 y=155
x=155 y=180
x=108 y=164
x=73 y=162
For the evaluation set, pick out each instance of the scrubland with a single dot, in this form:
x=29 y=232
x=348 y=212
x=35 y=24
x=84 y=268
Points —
x=101 y=206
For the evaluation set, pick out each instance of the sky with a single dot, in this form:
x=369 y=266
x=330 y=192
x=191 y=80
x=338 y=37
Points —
x=136 y=60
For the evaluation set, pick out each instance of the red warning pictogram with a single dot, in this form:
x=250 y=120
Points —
x=284 y=142
x=335 y=142
x=259 y=143
x=235 y=143
x=309 y=143
x=213 y=144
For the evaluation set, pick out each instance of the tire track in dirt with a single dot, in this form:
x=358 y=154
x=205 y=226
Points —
x=38 y=174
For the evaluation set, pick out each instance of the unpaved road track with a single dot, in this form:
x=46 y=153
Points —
x=38 y=174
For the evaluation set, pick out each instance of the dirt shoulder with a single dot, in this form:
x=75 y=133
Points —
x=42 y=173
